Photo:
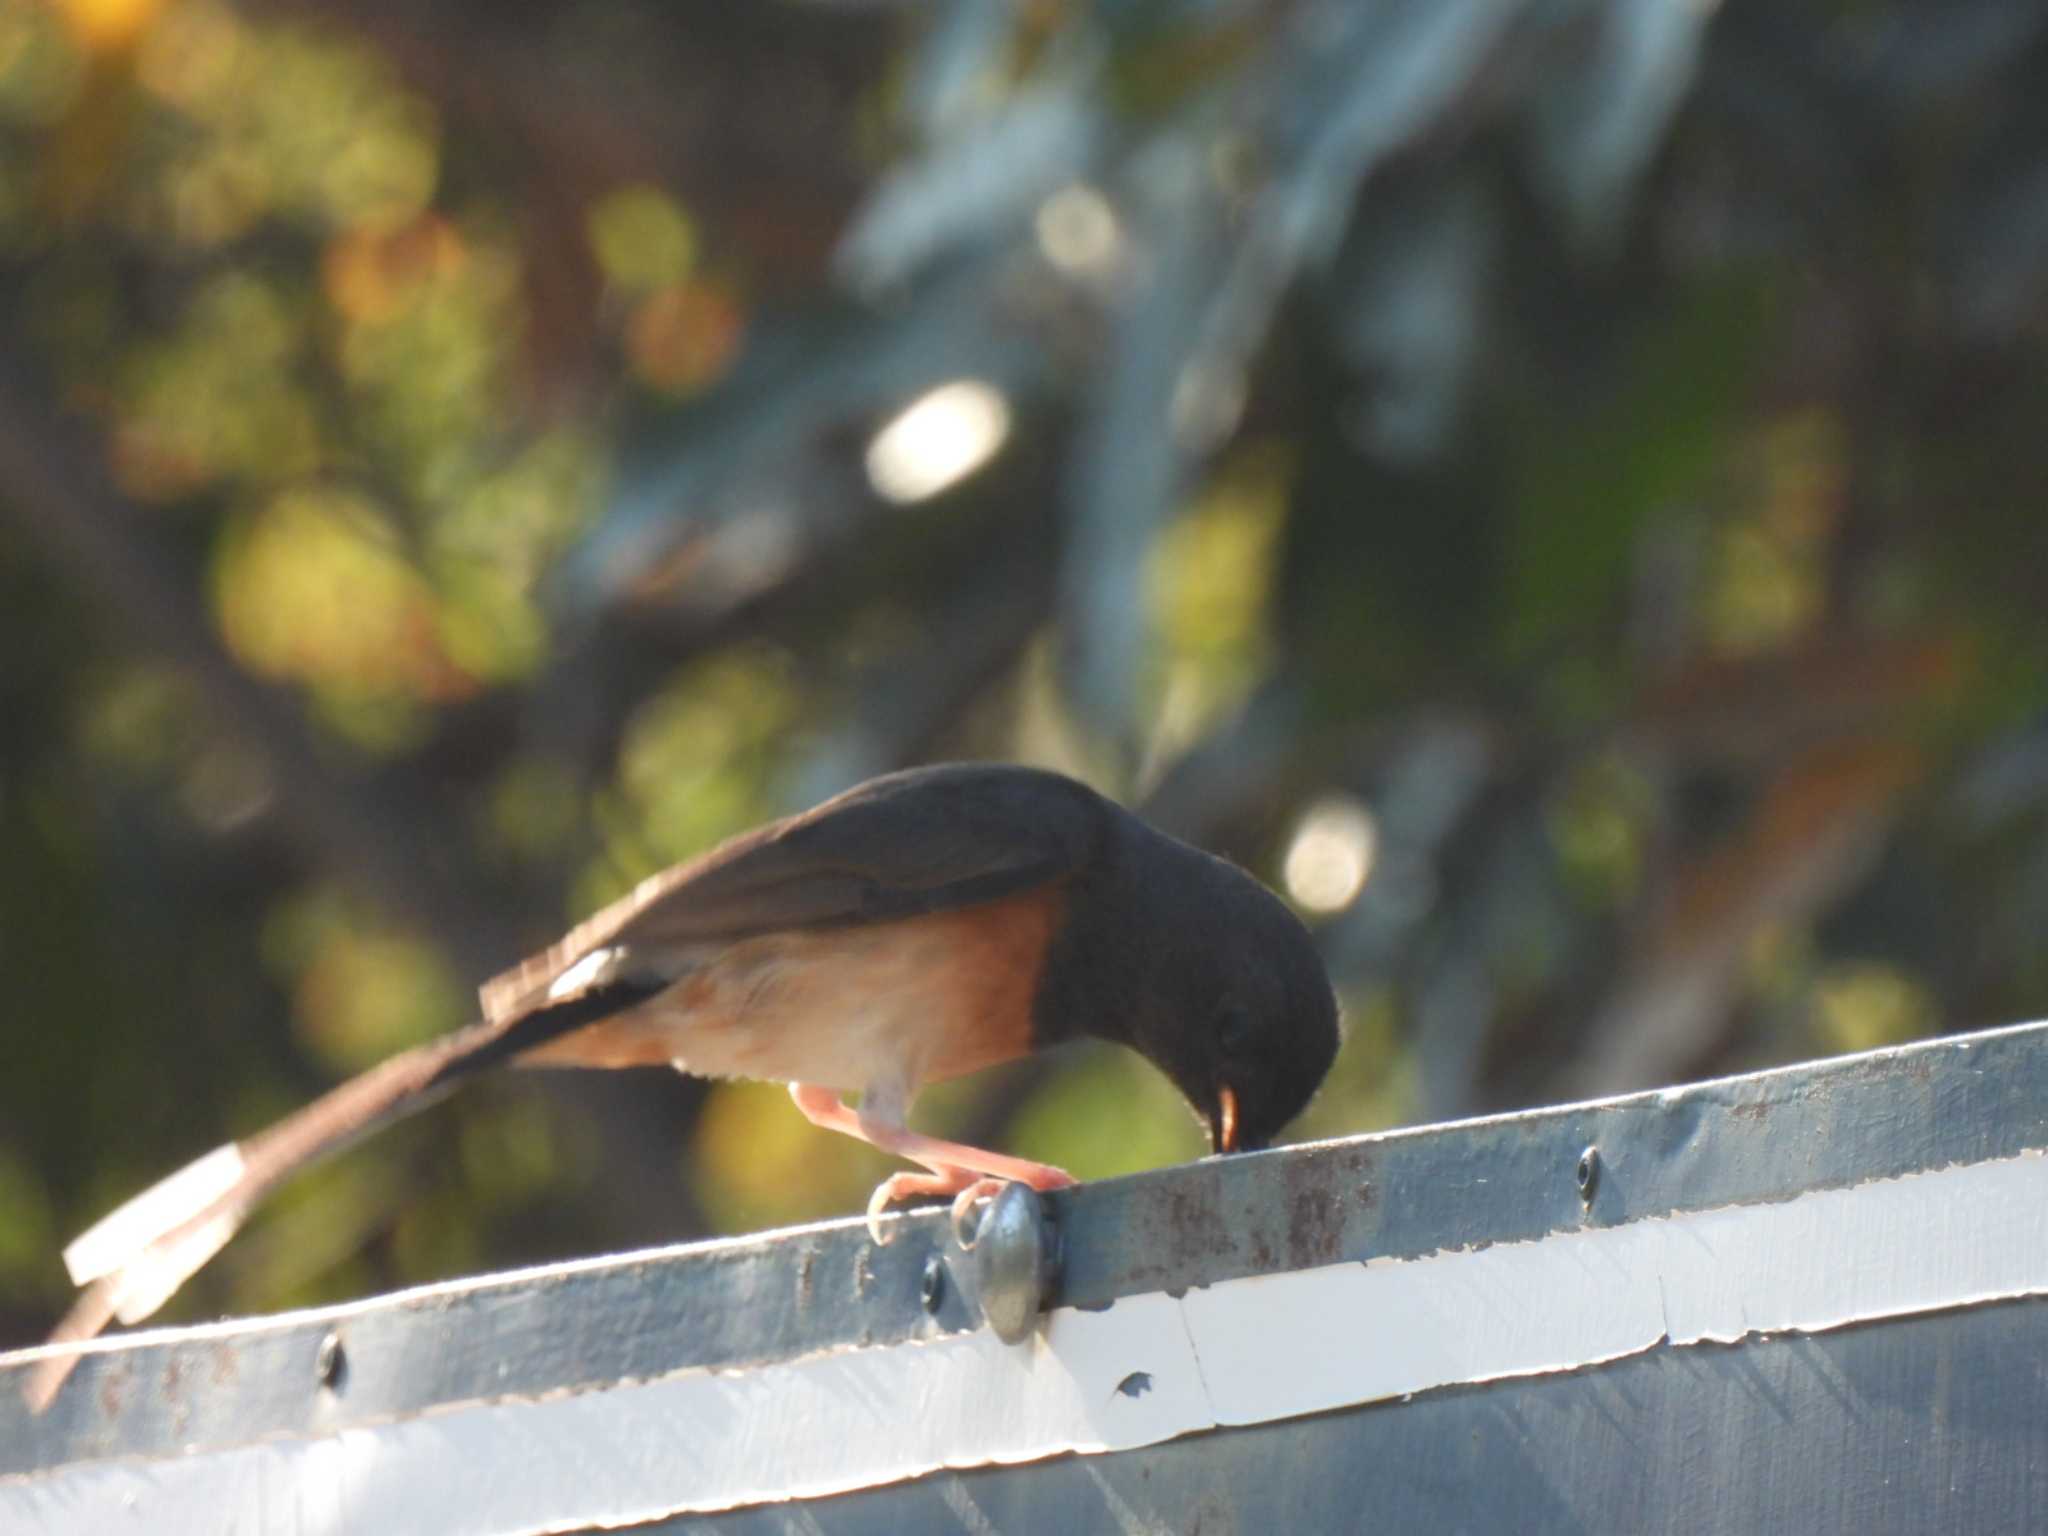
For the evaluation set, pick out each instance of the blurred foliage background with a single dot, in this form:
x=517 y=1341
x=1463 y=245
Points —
x=1554 y=485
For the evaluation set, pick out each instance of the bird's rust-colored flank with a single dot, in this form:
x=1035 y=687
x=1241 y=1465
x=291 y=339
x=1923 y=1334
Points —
x=949 y=993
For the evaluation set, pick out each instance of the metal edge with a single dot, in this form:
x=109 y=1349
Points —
x=581 y=1325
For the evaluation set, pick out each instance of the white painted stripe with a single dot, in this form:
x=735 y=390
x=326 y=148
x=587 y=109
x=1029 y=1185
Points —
x=1240 y=1352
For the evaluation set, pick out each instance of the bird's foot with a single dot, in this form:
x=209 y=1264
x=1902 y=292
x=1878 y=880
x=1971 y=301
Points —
x=968 y=1186
x=951 y=1168
x=909 y=1186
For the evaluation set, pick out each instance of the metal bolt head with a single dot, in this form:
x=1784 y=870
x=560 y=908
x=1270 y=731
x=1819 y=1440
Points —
x=331 y=1363
x=1015 y=1259
x=931 y=1285
x=1588 y=1174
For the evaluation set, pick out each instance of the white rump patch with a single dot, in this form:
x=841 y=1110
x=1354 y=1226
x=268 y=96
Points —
x=593 y=970
x=152 y=1277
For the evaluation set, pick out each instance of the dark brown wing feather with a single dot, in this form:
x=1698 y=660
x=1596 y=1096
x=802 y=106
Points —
x=926 y=840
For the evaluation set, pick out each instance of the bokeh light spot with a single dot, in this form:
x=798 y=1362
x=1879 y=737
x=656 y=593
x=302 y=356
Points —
x=1862 y=1005
x=313 y=589
x=1331 y=855
x=103 y=25
x=642 y=240
x=938 y=440
x=684 y=336
x=1077 y=232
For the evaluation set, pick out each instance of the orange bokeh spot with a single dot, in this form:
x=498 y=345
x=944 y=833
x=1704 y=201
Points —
x=104 y=25
x=684 y=336
x=369 y=273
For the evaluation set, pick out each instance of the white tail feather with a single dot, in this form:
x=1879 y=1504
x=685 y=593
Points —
x=122 y=1236
x=132 y=1284
x=149 y=1279
x=132 y=1261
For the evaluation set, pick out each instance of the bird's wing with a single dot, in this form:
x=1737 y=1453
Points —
x=926 y=840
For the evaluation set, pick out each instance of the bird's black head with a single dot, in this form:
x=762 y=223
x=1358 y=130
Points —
x=1230 y=998
x=1261 y=1025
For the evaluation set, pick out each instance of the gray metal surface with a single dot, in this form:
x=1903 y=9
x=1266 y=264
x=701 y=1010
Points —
x=1753 y=1139
x=1925 y=1425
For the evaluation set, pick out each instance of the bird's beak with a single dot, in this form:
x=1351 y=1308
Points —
x=1225 y=1128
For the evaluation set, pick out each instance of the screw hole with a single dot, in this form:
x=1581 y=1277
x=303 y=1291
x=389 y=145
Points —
x=1588 y=1173
x=330 y=1365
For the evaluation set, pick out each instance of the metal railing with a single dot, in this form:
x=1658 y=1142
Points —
x=1807 y=1298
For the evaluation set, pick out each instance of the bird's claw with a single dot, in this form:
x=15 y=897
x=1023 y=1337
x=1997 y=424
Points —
x=963 y=1208
x=967 y=1187
x=884 y=1196
x=909 y=1186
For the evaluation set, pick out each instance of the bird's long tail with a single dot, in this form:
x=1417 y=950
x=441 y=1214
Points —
x=133 y=1260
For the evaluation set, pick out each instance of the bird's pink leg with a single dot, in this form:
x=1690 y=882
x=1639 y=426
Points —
x=956 y=1169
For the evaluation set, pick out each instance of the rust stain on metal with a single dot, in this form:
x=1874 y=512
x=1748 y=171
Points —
x=113 y=1385
x=1184 y=1222
x=1315 y=1215
x=1190 y=1207
x=1315 y=1227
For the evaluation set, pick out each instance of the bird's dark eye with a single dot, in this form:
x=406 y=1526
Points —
x=1237 y=1034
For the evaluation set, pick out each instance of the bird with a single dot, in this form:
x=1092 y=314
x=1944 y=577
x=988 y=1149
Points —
x=920 y=926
